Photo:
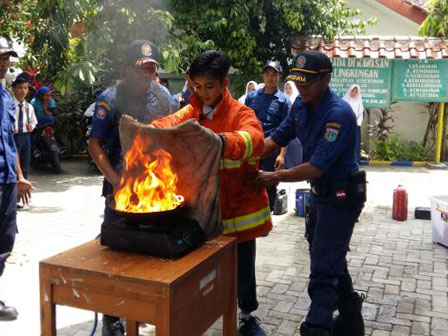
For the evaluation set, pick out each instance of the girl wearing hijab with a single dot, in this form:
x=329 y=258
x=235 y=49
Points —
x=44 y=105
x=293 y=156
x=291 y=91
x=353 y=97
x=250 y=86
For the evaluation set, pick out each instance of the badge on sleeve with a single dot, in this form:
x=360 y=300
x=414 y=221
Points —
x=331 y=131
x=103 y=109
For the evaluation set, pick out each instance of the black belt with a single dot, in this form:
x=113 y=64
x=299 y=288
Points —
x=335 y=190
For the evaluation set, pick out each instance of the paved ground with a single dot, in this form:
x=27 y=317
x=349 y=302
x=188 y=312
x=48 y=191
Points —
x=402 y=273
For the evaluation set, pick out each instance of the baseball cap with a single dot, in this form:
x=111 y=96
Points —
x=21 y=78
x=6 y=47
x=273 y=64
x=308 y=66
x=141 y=52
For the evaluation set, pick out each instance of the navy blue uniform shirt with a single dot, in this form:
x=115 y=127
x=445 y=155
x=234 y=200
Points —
x=327 y=133
x=8 y=173
x=271 y=109
x=159 y=103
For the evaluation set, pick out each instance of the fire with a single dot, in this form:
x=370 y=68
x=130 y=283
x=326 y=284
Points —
x=147 y=184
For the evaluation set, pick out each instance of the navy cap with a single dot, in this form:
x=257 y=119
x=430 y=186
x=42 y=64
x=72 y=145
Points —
x=308 y=66
x=22 y=78
x=141 y=52
x=6 y=47
x=273 y=64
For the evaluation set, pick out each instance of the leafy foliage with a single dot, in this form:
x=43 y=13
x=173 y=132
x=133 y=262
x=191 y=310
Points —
x=252 y=32
x=436 y=23
x=392 y=150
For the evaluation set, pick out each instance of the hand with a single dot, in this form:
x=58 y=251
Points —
x=279 y=162
x=262 y=180
x=24 y=188
x=29 y=127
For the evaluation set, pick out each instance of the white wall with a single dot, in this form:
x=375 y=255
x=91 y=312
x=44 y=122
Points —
x=389 y=22
x=410 y=119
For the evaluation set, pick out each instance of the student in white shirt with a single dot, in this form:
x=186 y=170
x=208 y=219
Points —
x=354 y=98
x=25 y=122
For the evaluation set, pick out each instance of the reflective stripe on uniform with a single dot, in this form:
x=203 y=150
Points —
x=248 y=142
x=231 y=164
x=247 y=222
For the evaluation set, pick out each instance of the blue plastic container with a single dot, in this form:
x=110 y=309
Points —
x=302 y=201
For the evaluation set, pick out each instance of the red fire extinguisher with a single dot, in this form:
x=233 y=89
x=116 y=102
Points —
x=400 y=206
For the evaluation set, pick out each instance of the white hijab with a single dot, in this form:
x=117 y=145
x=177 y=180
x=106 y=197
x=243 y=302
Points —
x=355 y=103
x=242 y=99
x=295 y=92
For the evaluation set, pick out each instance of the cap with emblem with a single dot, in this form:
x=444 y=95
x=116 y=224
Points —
x=274 y=65
x=6 y=47
x=141 y=52
x=308 y=66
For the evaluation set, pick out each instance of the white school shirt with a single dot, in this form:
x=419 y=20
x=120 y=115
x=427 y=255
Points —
x=29 y=117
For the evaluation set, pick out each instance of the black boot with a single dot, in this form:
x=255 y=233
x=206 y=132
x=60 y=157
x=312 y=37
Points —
x=112 y=326
x=307 y=330
x=350 y=321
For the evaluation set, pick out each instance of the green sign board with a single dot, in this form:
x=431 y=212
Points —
x=420 y=80
x=372 y=75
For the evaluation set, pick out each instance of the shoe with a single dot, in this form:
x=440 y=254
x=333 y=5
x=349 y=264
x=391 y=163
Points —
x=20 y=205
x=251 y=327
x=7 y=313
x=112 y=326
x=349 y=322
x=308 y=330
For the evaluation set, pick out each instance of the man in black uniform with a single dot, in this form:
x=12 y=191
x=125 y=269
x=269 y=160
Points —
x=327 y=129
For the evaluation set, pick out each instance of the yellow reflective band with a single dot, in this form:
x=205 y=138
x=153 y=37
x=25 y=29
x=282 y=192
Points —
x=247 y=222
x=253 y=160
x=248 y=141
x=303 y=70
x=229 y=164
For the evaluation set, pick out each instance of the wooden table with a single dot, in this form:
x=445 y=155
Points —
x=180 y=297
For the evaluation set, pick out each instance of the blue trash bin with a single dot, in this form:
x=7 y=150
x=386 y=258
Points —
x=302 y=201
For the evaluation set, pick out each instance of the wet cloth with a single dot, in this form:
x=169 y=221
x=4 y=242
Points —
x=196 y=155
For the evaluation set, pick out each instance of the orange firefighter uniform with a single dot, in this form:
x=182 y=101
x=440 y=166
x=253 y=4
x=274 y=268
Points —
x=245 y=213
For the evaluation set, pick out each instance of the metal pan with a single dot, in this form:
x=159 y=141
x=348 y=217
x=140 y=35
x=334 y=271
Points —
x=145 y=217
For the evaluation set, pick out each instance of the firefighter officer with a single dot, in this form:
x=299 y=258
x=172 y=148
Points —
x=327 y=129
x=139 y=96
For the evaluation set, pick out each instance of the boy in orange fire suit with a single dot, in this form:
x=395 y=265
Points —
x=245 y=213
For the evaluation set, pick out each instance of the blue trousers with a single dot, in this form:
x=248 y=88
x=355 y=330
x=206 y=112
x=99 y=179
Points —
x=329 y=229
x=8 y=223
x=23 y=144
x=267 y=164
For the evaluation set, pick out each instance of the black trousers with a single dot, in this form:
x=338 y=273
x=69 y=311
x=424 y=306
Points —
x=8 y=223
x=247 y=285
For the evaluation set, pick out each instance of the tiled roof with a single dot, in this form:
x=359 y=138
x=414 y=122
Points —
x=403 y=47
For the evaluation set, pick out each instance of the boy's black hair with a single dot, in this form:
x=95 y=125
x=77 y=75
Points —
x=211 y=63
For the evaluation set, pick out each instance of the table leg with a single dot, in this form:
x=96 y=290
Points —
x=47 y=310
x=132 y=328
x=229 y=317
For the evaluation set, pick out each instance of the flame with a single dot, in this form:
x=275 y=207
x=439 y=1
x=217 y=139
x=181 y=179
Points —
x=147 y=184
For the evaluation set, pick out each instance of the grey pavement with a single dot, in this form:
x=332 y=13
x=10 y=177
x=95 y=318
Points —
x=395 y=264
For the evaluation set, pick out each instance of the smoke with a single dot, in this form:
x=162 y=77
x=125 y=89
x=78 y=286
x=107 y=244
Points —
x=119 y=22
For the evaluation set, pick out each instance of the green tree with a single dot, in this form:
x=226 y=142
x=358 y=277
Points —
x=253 y=31
x=94 y=54
x=436 y=23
